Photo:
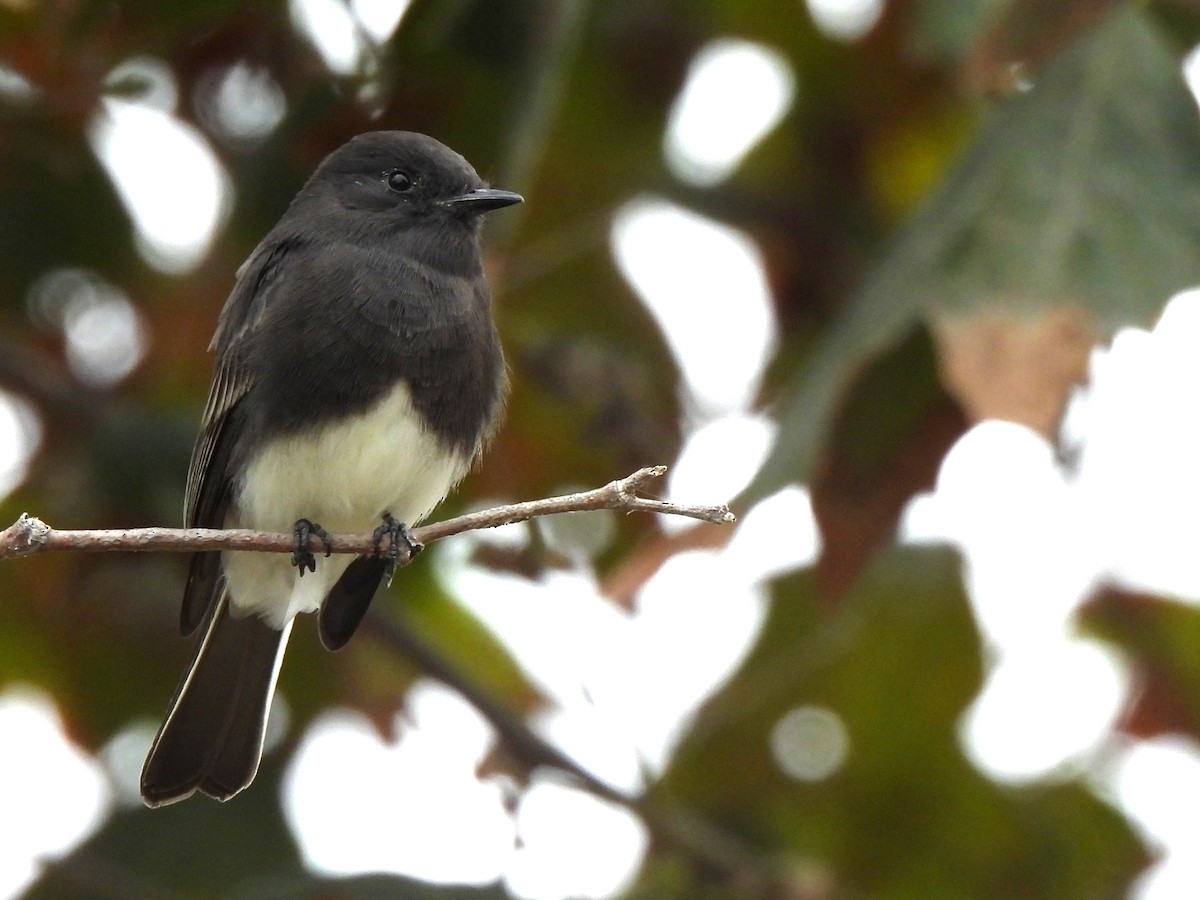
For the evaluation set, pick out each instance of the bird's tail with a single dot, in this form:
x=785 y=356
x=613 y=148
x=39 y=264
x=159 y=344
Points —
x=212 y=737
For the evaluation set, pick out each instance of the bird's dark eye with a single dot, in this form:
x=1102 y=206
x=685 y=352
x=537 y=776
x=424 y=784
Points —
x=399 y=181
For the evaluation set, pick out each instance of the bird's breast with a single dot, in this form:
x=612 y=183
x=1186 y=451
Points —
x=344 y=473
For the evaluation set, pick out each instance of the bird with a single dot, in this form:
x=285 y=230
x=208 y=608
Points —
x=358 y=376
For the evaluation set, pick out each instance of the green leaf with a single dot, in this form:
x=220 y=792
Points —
x=206 y=848
x=886 y=443
x=1161 y=640
x=1085 y=189
x=943 y=29
x=905 y=815
x=1082 y=191
x=200 y=848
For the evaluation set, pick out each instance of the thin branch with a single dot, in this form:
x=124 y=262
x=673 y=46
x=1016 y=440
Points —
x=29 y=535
x=717 y=851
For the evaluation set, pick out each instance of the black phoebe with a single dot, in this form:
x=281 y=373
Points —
x=358 y=376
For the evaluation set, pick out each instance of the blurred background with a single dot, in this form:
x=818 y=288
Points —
x=911 y=284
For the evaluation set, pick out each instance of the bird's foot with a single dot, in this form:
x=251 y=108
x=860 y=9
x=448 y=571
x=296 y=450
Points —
x=402 y=546
x=302 y=558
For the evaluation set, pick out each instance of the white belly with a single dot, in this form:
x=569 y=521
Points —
x=342 y=477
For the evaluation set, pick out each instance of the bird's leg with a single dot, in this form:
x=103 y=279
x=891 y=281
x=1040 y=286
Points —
x=402 y=546
x=303 y=531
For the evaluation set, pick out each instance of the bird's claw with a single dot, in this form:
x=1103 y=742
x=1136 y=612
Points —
x=302 y=557
x=402 y=546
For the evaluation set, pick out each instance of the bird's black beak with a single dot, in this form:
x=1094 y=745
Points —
x=483 y=200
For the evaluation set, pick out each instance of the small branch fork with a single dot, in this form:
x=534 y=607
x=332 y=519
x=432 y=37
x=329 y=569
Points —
x=28 y=535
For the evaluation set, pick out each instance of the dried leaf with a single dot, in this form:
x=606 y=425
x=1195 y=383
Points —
x=1002 y=365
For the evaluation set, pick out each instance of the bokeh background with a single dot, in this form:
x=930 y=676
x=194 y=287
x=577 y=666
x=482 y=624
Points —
x=910 y=283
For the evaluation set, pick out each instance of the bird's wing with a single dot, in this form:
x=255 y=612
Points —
x=211 y=475
x=208 y=475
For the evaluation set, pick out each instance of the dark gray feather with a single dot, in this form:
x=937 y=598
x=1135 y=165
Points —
x=212 y=737
x=344 y=608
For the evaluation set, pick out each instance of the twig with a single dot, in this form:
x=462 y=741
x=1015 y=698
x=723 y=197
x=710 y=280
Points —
x=29 y=535
x=718 y=852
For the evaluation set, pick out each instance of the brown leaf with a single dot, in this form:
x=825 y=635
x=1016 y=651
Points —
x=1000 y=364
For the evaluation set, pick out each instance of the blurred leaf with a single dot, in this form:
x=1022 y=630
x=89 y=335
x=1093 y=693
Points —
x=905 y=815
x=188 y=847
x=241 y=849
x=1019 y=368
x=48 y=172
x=1161 y=640
x=907 y=613
x=1024 y=35
x=861 y=332
x=886 y=444
x=943 y=29
x=1082 y=192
